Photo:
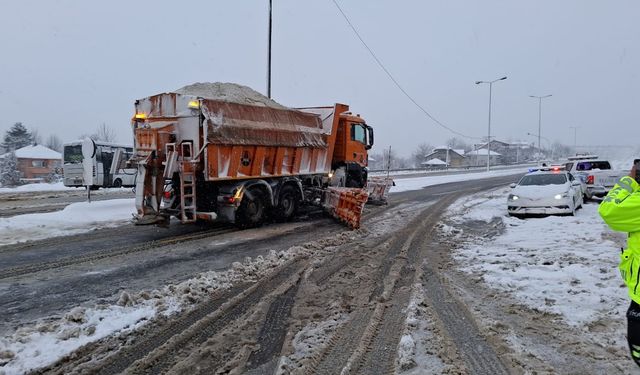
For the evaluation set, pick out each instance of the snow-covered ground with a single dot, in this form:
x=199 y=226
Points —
x=75 y=218
x=29 y=188
x=560 y=264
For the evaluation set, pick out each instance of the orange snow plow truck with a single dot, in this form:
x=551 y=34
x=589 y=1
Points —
x=225 y=152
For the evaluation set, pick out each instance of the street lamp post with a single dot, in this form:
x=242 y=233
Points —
x=269 y=54
x=539 y=114
x=489 y=127
x=575 y=137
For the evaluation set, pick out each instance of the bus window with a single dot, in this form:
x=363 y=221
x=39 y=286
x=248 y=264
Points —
x=73 y=154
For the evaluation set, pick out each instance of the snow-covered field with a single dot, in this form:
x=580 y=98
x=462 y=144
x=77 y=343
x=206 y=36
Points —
x=75 y=218
x=560 y=264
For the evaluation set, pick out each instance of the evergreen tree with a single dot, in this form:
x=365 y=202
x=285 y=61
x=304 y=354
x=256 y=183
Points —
x=17 y=137
x=9 y=174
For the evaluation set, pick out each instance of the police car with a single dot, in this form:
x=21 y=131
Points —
x=545 y=191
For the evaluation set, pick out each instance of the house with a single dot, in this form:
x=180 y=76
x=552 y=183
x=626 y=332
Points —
x=36 y=163
x=434 y=163
x=510 y=152
x=478 y=158
x=451 y=157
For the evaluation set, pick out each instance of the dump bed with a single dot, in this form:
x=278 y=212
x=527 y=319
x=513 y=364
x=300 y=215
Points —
x=236 y=140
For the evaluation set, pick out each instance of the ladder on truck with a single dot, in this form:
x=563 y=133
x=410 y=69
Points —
x=187 y=184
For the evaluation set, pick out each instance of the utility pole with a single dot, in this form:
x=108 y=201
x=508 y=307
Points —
x=539 y=115
x=575 y=137
x=489 y=131
x=269 y=55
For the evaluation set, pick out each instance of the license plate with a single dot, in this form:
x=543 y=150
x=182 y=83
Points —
x=609 y=181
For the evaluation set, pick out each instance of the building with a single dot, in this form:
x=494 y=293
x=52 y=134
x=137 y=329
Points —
x=478 y=158
x=434 y=163
x=510 y=152
x=36 y=163
x=451 y=157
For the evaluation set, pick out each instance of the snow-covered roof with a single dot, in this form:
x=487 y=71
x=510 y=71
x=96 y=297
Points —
x=36 y=152
x=483 y=152
x=457 y=151
x=434 y=161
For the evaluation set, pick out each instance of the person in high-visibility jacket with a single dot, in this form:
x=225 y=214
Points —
x=620 y=209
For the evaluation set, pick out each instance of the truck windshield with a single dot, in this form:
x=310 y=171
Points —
x=543 y=179
x=589 y=165
x=73 y=154
x=357 y=133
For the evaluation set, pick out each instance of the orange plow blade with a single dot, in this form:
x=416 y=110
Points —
x=346 y=204
x=378 y=188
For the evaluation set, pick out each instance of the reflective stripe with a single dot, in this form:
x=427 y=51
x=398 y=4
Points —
x=607 y=199
x=635 y=354
x=625 y=184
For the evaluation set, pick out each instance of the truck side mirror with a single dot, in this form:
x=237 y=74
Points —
x=370 y=137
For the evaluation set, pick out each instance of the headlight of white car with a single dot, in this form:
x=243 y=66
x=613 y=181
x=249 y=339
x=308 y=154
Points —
x=560 y=196
x=513 y=197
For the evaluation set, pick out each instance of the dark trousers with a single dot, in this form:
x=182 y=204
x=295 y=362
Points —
x=633 y=331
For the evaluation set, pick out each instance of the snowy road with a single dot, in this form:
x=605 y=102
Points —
x=300 y=279
x=438 y=281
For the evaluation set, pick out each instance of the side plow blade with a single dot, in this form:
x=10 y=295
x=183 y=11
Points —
x=378 y=189
x=346 y=204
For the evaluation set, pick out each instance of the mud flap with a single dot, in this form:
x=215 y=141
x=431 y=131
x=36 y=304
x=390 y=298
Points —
x=345 y=204
x=378 y=189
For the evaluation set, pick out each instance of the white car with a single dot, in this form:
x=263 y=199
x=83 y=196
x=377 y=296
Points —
x=545 y=192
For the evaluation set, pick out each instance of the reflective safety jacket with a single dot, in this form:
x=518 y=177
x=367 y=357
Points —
x=620 y=209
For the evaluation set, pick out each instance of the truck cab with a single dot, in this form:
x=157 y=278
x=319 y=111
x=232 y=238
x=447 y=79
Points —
x=350 y=158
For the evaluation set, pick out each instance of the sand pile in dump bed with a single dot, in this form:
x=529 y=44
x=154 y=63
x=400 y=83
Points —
x=229 y=92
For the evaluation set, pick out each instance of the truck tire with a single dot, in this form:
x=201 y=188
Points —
x=252 y=209
x=117 y=183
x=288 y=203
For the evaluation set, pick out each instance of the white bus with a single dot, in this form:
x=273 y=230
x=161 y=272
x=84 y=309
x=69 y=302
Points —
x=108 y=165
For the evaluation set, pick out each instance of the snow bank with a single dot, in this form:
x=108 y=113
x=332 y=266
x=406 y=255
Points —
x=417 y=183
x=42 y=344
x=75 y=218
x=560 y=265
x=58 y=186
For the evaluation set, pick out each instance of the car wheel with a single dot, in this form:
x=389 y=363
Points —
x=117 y=183
x=573 y=209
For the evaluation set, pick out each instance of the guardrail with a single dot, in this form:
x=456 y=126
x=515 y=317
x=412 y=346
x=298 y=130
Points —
x=444 y=170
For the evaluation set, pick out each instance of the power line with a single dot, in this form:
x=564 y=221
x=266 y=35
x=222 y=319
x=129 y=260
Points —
x=393 y=79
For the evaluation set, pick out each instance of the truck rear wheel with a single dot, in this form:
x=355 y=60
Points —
x=251 y=212
x=287 y=203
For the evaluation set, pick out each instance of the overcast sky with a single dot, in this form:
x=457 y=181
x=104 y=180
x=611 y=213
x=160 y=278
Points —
x=68 y=66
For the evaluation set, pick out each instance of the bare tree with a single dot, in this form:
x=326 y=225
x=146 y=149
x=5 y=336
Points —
x=54 y=142
x=36 y=137
x=418 y=156
x=105 y=133
x=458 y=144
